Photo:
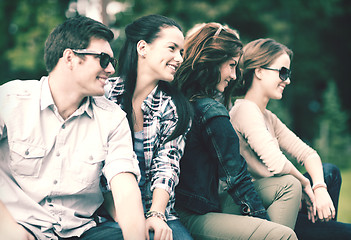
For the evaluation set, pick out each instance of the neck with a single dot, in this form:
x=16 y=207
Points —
x=144 y=83
x=258 y=98
x=66 y=100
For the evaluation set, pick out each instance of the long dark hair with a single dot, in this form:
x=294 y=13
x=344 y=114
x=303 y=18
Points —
x=205 y=50
x=147 y=28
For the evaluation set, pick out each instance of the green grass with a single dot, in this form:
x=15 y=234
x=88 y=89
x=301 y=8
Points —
x=344 y=214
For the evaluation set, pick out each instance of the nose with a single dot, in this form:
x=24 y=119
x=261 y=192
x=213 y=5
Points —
x=178 y=57
x=110 y=69
x=233 y=74
x=287 y=81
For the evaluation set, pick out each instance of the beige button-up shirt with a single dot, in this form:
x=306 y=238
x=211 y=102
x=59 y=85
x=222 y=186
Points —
x=50 y=167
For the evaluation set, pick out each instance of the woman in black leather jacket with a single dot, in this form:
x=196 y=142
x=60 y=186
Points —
x=211 y=157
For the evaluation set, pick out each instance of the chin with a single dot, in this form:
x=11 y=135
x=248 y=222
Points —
x=168 y=79
x=99 y=93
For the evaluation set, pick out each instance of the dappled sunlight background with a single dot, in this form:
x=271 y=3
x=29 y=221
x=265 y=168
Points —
x=316 y=105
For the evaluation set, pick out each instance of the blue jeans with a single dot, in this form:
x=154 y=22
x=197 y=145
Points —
x=178 y=230
x=102 y=232
x=305 y=229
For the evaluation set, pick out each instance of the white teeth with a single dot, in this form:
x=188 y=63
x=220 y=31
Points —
x=171 y=66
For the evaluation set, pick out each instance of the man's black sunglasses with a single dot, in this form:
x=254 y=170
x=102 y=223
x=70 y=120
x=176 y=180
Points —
x=105 y=59
x=284 y=73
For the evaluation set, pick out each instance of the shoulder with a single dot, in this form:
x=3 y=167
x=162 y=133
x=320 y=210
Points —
x=209 y=108
x=244 y=108
x=245 y=115
x=242 y=104
x=114 y=87
x=159 y=101
x=18 y=90
x=102 y=103
x=20 y=86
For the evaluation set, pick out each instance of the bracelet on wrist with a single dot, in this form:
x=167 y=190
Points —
x=319 y=185
x=155 y=214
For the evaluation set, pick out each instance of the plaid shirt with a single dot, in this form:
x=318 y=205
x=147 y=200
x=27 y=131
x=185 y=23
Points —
x=161 y=159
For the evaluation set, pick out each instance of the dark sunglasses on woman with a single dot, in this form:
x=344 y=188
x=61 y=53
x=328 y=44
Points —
x=284 y=73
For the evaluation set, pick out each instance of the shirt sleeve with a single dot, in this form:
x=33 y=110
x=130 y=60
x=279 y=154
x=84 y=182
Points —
x=223 y=144
x=2 y=107
x=290 y=143
x=165 y=163
x=120 y=156
x=249 y=121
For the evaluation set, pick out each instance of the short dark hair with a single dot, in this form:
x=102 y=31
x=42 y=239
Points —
x=74 y=33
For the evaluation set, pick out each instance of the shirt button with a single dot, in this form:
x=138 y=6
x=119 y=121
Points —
x=63 y=126
x=26 y=152
x=49 y=200
x=55 y=181
x=57 y=154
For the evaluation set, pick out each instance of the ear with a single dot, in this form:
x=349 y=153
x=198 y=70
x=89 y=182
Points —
x=141 y=48
x=67 y=57
x=258 y=73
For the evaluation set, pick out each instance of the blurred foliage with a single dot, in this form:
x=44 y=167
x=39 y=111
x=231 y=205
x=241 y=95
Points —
x=315 y=106
x=334 y=139
x=26 y=25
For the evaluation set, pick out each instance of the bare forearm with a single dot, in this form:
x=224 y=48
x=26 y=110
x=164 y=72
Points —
x=315 y=169
x=296 y=173
x=128 y=205
x=5 y=216
x=160 y=199
x=9 y=228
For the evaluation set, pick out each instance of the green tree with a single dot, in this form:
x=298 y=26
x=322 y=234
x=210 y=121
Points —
x=333 y=143
x=26 y=24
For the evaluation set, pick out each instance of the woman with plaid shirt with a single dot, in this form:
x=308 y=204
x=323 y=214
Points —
x=158 y=115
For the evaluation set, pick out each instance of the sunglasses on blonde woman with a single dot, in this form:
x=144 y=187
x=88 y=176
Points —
x=105 y=59
x=284 y=73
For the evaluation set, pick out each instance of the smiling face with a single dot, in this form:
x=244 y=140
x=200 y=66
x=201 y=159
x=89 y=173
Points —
x=90 y=76
x=272 y=85
x=228 y=73
x=164 y=55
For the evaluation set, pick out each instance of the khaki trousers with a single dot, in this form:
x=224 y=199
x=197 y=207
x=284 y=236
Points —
x=281 y=196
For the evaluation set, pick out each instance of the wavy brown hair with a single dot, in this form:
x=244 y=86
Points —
x=204 y=51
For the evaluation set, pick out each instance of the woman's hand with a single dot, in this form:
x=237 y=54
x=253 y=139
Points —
x=309 y=198
x=324 y=204
x=160 y=228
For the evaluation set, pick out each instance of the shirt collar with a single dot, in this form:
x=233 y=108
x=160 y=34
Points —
x=87 y=107
x=46 y=100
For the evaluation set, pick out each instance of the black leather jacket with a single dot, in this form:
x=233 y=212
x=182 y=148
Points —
x=212 y=154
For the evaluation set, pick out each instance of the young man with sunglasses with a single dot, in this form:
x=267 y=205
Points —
x=58 y=136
